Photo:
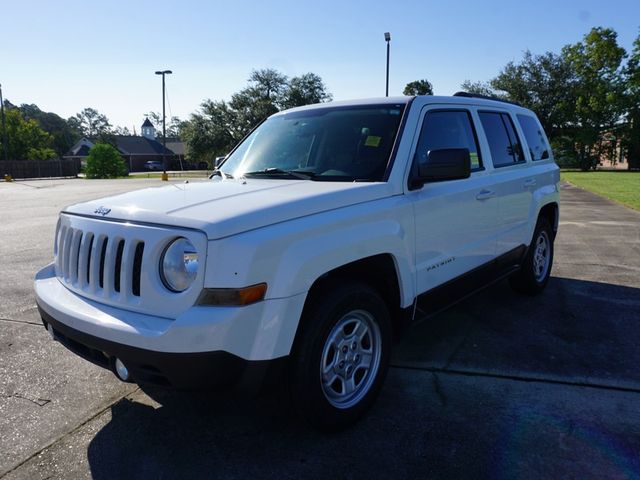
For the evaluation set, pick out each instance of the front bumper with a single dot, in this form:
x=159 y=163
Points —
x=199 y=370
x=204 y=346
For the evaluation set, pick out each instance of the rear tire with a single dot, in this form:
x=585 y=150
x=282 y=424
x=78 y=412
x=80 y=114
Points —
x=534 y=274
x=341 y=355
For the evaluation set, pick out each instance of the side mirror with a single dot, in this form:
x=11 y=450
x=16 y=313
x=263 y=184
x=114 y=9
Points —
x=445 y=164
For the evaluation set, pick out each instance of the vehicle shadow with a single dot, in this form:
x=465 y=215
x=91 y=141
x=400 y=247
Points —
x=227 y=436
x=427 y=422
x=576 y=330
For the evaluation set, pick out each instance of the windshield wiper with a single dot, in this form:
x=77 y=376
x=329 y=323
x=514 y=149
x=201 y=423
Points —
x=220 y=173
x=279 y=171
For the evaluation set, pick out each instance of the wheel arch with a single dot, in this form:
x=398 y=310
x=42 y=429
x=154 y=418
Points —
x=379 y=272
x=551 y=212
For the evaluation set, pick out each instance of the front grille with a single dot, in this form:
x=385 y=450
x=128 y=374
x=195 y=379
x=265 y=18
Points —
x=116 y=263
x=107 y=265
x=137 y=268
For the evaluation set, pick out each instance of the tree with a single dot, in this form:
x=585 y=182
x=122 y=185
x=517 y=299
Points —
x=63 y=136
x=121 y=131
x=579 y=95
x=25 y=139
x=218 y=126
x=305 y=90
x=173 y=124
x=260 y=99
x=543 y=83
x=90 y=122
x=418 y=87
x=104 y=161
x=631 y=132
x=210 y=132
x=599 y=87
x=268 y=83
x=478 y=88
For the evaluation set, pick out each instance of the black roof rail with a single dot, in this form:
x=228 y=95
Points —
x=485 y=97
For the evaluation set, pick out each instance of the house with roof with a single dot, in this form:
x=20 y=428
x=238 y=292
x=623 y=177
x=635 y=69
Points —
x=135 y=150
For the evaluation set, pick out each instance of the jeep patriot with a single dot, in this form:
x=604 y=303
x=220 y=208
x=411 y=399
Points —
x=308 y=248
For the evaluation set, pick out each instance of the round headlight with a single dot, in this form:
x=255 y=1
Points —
x=179 y=265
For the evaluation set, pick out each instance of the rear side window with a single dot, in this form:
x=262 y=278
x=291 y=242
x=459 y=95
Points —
x=443 y=129
x=504 y=143
x=535 y=138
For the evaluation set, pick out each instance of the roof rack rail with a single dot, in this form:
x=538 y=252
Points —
x=486 y=97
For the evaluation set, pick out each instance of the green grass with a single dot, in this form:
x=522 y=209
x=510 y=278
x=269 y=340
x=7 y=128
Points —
x=622 y=187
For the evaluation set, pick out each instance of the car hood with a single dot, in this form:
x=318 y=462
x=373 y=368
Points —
x=221 y=208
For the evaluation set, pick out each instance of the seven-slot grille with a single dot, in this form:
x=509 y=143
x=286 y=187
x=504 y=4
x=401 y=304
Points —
x=109 y=266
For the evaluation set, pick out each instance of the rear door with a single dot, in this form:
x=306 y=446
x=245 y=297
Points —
x=455 y=220
x=512 y=179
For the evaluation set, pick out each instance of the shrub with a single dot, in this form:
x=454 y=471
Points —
x=104 y=161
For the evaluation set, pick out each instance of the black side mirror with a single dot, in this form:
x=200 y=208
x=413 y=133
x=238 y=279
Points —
x=445 y=164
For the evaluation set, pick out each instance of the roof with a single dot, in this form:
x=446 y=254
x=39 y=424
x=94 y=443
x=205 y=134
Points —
x=176 y=146
x=83 y=151
x=420 y=101
x=134 y=145
x=147 y=123
x=126 y=144
x=346 y=103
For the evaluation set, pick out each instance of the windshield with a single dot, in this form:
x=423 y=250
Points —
x=333 y=143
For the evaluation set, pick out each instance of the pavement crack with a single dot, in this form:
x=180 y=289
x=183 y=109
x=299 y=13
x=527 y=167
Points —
x=521 y=378
x=69 y=432
x=458 y=347
x=437 y=387
x=41 y=402
x=26 y=322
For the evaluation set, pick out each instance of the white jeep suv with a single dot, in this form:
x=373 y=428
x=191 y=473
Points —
x=311 y=244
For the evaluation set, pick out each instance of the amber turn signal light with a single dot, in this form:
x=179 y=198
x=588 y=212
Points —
x=232 y=296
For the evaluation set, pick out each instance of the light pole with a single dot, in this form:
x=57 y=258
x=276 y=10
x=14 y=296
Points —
x=387 y=38
x=164 y=131
x=5 y=146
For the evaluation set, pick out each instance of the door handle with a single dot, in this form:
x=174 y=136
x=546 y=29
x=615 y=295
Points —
x=531 y=182
x=485 y=195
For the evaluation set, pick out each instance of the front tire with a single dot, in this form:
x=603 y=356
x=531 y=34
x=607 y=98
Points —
x=341 y=355
x=534 y=274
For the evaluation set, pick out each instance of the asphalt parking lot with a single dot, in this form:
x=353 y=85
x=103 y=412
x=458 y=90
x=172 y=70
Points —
x=500 y=386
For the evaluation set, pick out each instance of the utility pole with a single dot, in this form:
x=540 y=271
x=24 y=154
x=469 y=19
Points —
x=164 y=117
x=5 y=145
x=387 y=38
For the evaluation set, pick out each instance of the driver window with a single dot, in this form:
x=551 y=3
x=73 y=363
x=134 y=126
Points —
x=448 y=129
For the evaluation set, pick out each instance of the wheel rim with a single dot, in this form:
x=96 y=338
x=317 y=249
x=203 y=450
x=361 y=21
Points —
x=350 y=359
x=541 y=256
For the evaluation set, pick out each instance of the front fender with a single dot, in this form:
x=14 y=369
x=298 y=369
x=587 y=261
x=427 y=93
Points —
x=291 y=256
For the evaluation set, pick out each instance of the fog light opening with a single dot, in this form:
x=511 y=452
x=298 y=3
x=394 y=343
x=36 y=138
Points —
x=52 y=332
x=121 y=371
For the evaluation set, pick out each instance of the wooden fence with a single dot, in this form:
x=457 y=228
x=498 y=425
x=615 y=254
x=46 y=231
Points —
x=40 y=168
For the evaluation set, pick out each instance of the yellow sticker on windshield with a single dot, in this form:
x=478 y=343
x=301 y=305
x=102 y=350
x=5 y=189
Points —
x=475 y=162
x=372 y=141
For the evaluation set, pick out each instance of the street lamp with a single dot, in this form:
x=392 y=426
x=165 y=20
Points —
x=387 y=38
x=164 y=132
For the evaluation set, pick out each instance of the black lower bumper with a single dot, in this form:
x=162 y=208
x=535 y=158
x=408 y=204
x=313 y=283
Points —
x=199 y=370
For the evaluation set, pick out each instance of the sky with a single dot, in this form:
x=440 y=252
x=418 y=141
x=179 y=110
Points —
x=67 y=55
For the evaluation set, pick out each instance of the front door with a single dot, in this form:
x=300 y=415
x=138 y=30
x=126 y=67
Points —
x=455 y=220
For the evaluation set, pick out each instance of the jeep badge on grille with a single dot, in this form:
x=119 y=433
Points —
x=102 y=211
